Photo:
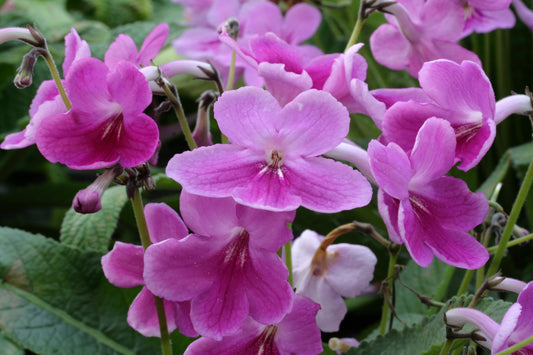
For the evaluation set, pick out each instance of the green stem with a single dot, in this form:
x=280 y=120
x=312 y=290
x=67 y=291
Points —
x=446 y=348
x=466 y=281
x=513 y=217
x=57 y=79
x=356 y=29
x=178 y=108
x=443 y=287
x=517 y=346
x=140 y=219
x=393 y=254
x=231 y=75
x=288 y=261
x=512 y=243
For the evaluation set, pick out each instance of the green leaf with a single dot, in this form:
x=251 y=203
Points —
x=7 y=347
x=55 y=300
x=428 y=334
x=93 y=231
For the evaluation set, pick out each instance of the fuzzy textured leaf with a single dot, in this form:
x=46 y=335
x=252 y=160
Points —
x=93 y=231
x=56 y=300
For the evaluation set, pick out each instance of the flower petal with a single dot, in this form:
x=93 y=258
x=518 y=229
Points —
x=122 y=48
x=300 y=23
x=142 y=315
x=123 y=265
x=86 y=85
x=128 y=86
x=152 y=44
x=325 y=185
x=163 y=222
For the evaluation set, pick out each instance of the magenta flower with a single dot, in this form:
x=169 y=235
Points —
x=343 y=270
x=429 y=212
x=123 y=267
x=273 y=160
x=516 y=325
x=106 y=124
x=124 y=48
x=47 y=100
x=228 y=268
x=524 y=13
x=484 y=16
x=296 y=333
x=420 y=31
x=461 y=94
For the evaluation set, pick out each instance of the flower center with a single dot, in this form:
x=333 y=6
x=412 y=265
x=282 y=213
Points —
x=237 y=250
x=264 y=343
x=274 y=162
x=113 y=128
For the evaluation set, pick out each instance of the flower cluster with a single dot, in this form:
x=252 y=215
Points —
x=224 y=272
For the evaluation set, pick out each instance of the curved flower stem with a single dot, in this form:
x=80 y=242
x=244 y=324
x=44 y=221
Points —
x=513 y=216
x=357 y=28
x=57 y=79
x=288 y=261
x=517 y=346
x=443 y=287
x=393 y=254
x=173 y=96
x=466 y=281
x=140 y=219
x=446 y=348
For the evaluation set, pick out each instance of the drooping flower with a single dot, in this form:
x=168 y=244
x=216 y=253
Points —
x=296 y=333
x=460 y=93
x=419 y=31
x=327 y=275
x=516 y=325
x=228 y=267
x=273 y=160
x=429 y=212
x=106 y=124
x=123 y=267
x=47 y=101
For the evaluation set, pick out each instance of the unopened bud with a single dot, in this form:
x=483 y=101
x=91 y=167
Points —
x=232 y=27
x=501 y=283
x=24 y=76
x=89 y=199
x=342 y=345
x=202 y=134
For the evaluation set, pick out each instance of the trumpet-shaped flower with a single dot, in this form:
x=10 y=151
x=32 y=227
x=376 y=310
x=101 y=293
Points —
x=516 y=325
x=228 y=268
x=296 y=333
x=461 y=94
x=123 y=266
x=326 y=276
x=420 y=31
x=429 y=212
x=272 y=161
x=106 y=124
x=47 y=101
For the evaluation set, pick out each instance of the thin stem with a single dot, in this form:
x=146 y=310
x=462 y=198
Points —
x=393 y=254
x=357 y=28
x=178 y=108
x=446 y=348
x=57 y=79
x=466 y=281
x=517 y=346
x=231 y=75
x=140 y=219
x=512 y=243
x=288 y=261
x=513 y=217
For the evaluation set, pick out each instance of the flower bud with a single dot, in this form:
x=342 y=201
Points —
x=202 y=134
x=89 y=200
x=24 y=76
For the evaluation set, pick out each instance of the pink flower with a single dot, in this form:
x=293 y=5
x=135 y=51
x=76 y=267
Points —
x=516 y=325
x=484 y=16
x=273 y=160
x=124 y=48
x=429 y=212
x=255 y=18
x=123 y=267
x=326 y=276
x=524 y=13
x=296 y=333
x=461 y=94
x=47 y=100
x=106 y=124
x=228 y=268
x=420 y=31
